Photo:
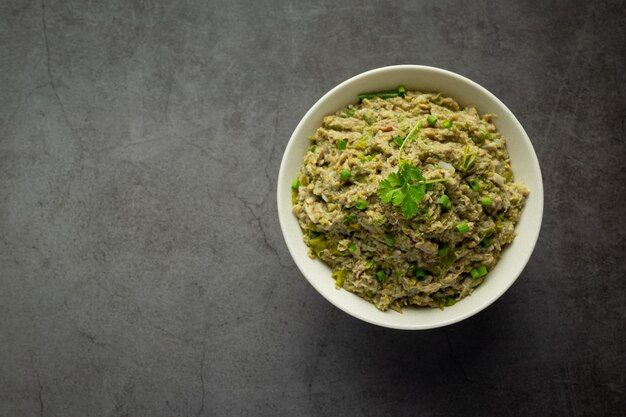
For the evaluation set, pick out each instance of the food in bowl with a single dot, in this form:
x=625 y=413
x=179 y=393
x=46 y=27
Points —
x=408 y=197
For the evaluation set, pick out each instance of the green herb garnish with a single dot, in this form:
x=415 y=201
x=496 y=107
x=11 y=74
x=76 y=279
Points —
x=399 y=92
x=407 y=186
x=390 y=240
x=361 y=204
x=295 y=184
x=485 y=201
x=444 y=202
x=478 y=272
x=449 y=301
x=351 y=248
x=341 y=144
x=447 y=124
x=431 y=120
x=462 y=227
x=381 y=276
x=420 y=274
x=345 y=175
x=350 y=218
x=403 y=188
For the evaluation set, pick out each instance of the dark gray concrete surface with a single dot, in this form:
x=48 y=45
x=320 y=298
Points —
x=142 y=267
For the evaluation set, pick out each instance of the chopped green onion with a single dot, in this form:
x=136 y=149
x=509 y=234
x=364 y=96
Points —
x=350 y=111
x=474 y=185
x=442 y=251
x=462 y=227
x=432 y=120
x=345 y=175
x=445 y=202
x=380 y=275
x=447 y=124
x=312 y=148
x=449 y=301
x=485 y=242
x=485 y=201
x=478 y=272
x=398 y=140
x=390 y=240
x=351 y=248
x=341 y=144
x=420 y=274
x=399 y=92
x=350 y=218
x=361 y=204
x=295 y=184
x=382 y=95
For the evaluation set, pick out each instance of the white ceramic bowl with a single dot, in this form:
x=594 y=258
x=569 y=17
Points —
x=523 y=160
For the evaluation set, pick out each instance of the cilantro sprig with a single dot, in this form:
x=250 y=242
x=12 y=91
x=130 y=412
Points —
x=407 y=186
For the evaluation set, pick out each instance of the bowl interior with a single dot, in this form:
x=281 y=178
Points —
x=523 y=160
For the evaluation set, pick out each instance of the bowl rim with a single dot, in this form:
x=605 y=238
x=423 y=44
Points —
x=537 y=191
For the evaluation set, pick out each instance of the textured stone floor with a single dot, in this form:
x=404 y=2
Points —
x=142 y=267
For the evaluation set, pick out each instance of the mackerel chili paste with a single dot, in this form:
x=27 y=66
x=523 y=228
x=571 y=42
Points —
x=408 y=197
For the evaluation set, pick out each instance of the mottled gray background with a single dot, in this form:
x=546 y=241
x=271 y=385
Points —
x=142 y=267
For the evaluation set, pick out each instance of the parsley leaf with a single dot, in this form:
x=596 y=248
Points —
x=395 y=179
x=390 y=189
x=386 y=191
x=405 y=188
x=409 y=206
x=411 y=172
